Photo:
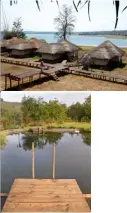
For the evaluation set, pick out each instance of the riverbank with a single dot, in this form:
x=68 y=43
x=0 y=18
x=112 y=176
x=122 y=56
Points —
x=54 y=127
x=112 y=36
x=2 y=138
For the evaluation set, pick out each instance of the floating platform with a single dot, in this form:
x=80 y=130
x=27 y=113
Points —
x=41 y=195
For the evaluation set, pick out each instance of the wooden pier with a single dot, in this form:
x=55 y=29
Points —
x=52 y=71
x=41 y=195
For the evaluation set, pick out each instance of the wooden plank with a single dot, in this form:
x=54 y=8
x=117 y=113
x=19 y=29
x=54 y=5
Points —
x=43 y=199
x=54 y=184
x=45 y=190
x=45 y=196
x=44 y=181
x=39 y=207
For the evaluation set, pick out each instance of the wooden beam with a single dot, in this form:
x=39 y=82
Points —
x=87 y=195
x=3 y=194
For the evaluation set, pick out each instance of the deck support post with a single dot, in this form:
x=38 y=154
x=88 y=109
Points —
x=33 y=169
x=53 y=160
x=10 y=82
x=5 y=82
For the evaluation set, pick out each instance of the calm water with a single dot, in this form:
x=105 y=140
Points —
x=79 y=40
x=73 y=158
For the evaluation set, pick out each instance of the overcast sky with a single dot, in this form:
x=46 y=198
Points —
x=64 y=97
x=102 y=15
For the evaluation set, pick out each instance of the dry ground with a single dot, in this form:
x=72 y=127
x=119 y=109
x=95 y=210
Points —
x=69 y=82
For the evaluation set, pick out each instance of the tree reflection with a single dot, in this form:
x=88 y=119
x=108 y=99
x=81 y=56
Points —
x=86 y=138
x=40 y=140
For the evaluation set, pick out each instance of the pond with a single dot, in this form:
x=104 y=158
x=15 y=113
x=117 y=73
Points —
x=73 y=158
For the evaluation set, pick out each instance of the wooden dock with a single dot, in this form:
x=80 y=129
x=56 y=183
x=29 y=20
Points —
x=41 y=195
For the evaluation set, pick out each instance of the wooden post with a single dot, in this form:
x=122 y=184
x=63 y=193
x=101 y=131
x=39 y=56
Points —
x=53 y=161
x=18 y=82
x=10 y=82
x=33 y=169
x=5 y=82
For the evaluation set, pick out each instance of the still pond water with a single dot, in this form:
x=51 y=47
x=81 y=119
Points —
x=73 y=158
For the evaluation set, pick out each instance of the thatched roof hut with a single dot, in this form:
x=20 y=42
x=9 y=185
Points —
x=70 y=49
x=5 y=44
x=23 y=49
x=68 y=46
x=51 y=52
x=106 y=55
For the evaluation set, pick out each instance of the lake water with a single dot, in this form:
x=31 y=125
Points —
x=73 y=158
x=79 y=40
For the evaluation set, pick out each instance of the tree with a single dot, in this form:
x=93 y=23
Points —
x=87 y=110
x=16 y=31
x=75 y=111
x=65 y=22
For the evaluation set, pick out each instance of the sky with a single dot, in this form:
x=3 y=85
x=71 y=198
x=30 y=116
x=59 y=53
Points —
x=102 y=15
x=64 y=97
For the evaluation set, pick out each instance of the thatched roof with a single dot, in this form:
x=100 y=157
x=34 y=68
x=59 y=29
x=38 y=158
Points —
x=105 y=51
x=12 y=41
x=37 y=43
x=68 y=46
x=23 y=46
x=51 y=48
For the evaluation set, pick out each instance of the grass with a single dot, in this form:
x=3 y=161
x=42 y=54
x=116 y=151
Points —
x=2 y=138
x=75 y=125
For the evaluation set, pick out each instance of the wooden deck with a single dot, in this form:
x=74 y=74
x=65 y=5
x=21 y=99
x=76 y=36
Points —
x=41 y=195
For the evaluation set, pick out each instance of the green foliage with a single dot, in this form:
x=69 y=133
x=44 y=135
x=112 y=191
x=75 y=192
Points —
x=10 y=115
x=33 y=112
x=2 y=138
x=16 y=31
x=80 y=112
x=39 y=110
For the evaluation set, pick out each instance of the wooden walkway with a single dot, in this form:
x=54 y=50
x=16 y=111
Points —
x=97 y=75
x=52 y=71
x=41 y=195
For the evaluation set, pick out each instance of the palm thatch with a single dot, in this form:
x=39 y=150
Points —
x=51 y=48
x=23 y=49
x=37 y=43
x=52 y=52
x=5 y=44
x=68 y=46
x=104 y=54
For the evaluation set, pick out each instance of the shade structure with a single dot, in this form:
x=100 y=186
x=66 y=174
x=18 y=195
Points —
x=105 y=54
x=68 y=46
x=6 y=44
x=52 y=52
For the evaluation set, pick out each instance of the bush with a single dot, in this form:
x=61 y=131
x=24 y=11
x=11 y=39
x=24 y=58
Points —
x=11 y=34
x=2 y=138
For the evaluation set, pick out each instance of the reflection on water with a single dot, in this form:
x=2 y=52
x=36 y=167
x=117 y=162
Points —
x=73 y=158
x=39 y=140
